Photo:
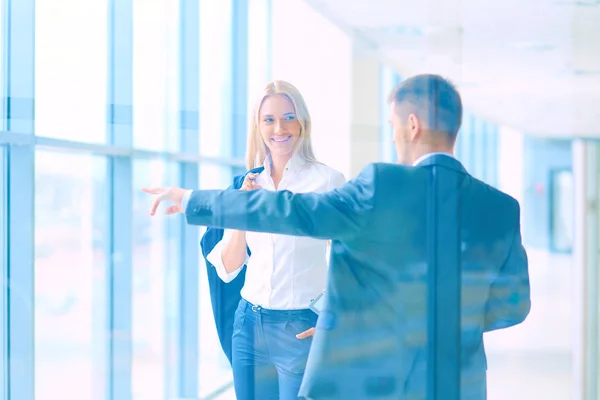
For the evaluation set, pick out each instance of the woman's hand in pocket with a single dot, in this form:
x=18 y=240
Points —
x=306 y=334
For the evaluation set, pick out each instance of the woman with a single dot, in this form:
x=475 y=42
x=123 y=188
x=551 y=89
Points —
x=283 y=273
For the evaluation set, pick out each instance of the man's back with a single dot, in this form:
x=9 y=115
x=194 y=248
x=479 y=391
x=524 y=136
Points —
x=371 y=337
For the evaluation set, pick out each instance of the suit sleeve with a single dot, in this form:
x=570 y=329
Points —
x=336 y=214
x=509 y=301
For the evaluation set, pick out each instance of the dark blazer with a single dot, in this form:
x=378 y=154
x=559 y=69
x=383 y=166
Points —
x=224 y=297
x=371 y=340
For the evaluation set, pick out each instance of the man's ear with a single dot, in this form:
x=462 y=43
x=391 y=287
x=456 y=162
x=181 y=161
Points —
x=415 y=127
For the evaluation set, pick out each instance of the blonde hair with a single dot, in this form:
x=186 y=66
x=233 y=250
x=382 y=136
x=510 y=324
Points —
x=256 y=150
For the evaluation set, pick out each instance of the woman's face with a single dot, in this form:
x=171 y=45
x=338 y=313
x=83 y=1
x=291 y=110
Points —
x=279 y=127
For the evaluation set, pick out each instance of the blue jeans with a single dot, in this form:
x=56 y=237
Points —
x=268 y=359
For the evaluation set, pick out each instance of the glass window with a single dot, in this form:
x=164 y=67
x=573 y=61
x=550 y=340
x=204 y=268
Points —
x=71 y=64
x=156 y=259
x=3 y=271
x=214 y=370
x=389 y=79
x=259 y=62
x=319 y=67
x=70 y=277
x=215 y=78
x=156 y=74
x=521 y=358
x=561 y=222
x=2 y=109
x=215 y=176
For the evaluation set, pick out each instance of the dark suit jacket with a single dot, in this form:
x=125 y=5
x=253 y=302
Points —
x=371 y=339
x=224 y=297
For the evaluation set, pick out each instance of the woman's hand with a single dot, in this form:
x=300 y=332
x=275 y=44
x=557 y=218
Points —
x=249 y=183
x=306 y=334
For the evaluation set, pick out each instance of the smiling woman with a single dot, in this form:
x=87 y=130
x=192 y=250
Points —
x=281 y=125
x=276 y=273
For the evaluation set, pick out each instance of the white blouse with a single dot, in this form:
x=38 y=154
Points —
x=284 y=272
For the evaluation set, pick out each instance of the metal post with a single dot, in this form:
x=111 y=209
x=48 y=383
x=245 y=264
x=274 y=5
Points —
x=586 y=174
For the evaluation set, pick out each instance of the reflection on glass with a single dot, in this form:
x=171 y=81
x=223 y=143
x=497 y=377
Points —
x=71 y=64
x=3 y=286
x=535 y=358
x=2 y=110
x=214 y=369
x=258 y=49
x=70 y=279
x=215 y=78
x=155 y=74
x=155 y=293
x=561 y=224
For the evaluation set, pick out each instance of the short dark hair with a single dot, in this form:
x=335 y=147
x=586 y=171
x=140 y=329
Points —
x=433 y=99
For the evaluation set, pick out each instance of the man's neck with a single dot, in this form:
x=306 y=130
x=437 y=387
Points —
x=422 y=152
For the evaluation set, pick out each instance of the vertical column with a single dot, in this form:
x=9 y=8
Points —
x=444 y=56
x=3 y=280
x=120 y=201
x=3 y=276
x=491 y=151
x=444 y=287
x=189 y=86
x=365 y=133
x=481 y=133
x=586 y=173
x=388 y=79
x=20 y=92
x=239 y=78
x=465 y=144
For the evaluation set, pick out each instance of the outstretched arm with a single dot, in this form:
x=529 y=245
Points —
x=333 y=215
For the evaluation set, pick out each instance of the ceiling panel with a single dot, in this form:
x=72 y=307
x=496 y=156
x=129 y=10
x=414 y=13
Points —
x=534 y=65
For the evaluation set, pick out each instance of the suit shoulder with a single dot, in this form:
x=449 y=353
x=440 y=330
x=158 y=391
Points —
x=392 y=170
x=498 y=197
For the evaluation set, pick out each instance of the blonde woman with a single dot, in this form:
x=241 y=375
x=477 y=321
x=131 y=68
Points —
x=283 y=273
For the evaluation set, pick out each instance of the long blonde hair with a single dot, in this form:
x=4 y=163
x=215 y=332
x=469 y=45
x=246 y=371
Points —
x=256 y=150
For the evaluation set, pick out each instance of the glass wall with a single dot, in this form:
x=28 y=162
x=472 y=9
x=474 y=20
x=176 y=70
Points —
x=101 y=304
x=3 y=275
x=214 y=370
x=71 y=74
x=156 y=257
x=70 y=275
x=215 y=78
x=156 y=74
x=102 y=97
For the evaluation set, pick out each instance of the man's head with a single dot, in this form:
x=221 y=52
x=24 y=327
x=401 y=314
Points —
x=426 y=114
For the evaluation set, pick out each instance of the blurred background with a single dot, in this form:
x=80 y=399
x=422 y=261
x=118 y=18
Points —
x=103 y=97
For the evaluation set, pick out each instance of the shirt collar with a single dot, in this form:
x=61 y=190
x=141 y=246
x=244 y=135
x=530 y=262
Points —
x=295 y=163
x=428 y=155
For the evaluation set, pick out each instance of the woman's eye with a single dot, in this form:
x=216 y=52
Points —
x=268 y=120
x=291 y=117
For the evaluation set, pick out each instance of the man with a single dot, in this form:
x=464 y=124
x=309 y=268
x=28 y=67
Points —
x=370 y=339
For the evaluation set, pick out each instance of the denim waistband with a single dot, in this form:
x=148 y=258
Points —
x=250 y=308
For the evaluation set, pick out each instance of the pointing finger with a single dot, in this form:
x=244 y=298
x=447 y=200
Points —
x=155 y=205
x=154 y=190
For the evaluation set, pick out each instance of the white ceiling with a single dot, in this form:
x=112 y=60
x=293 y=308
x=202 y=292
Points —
x=533 y=65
